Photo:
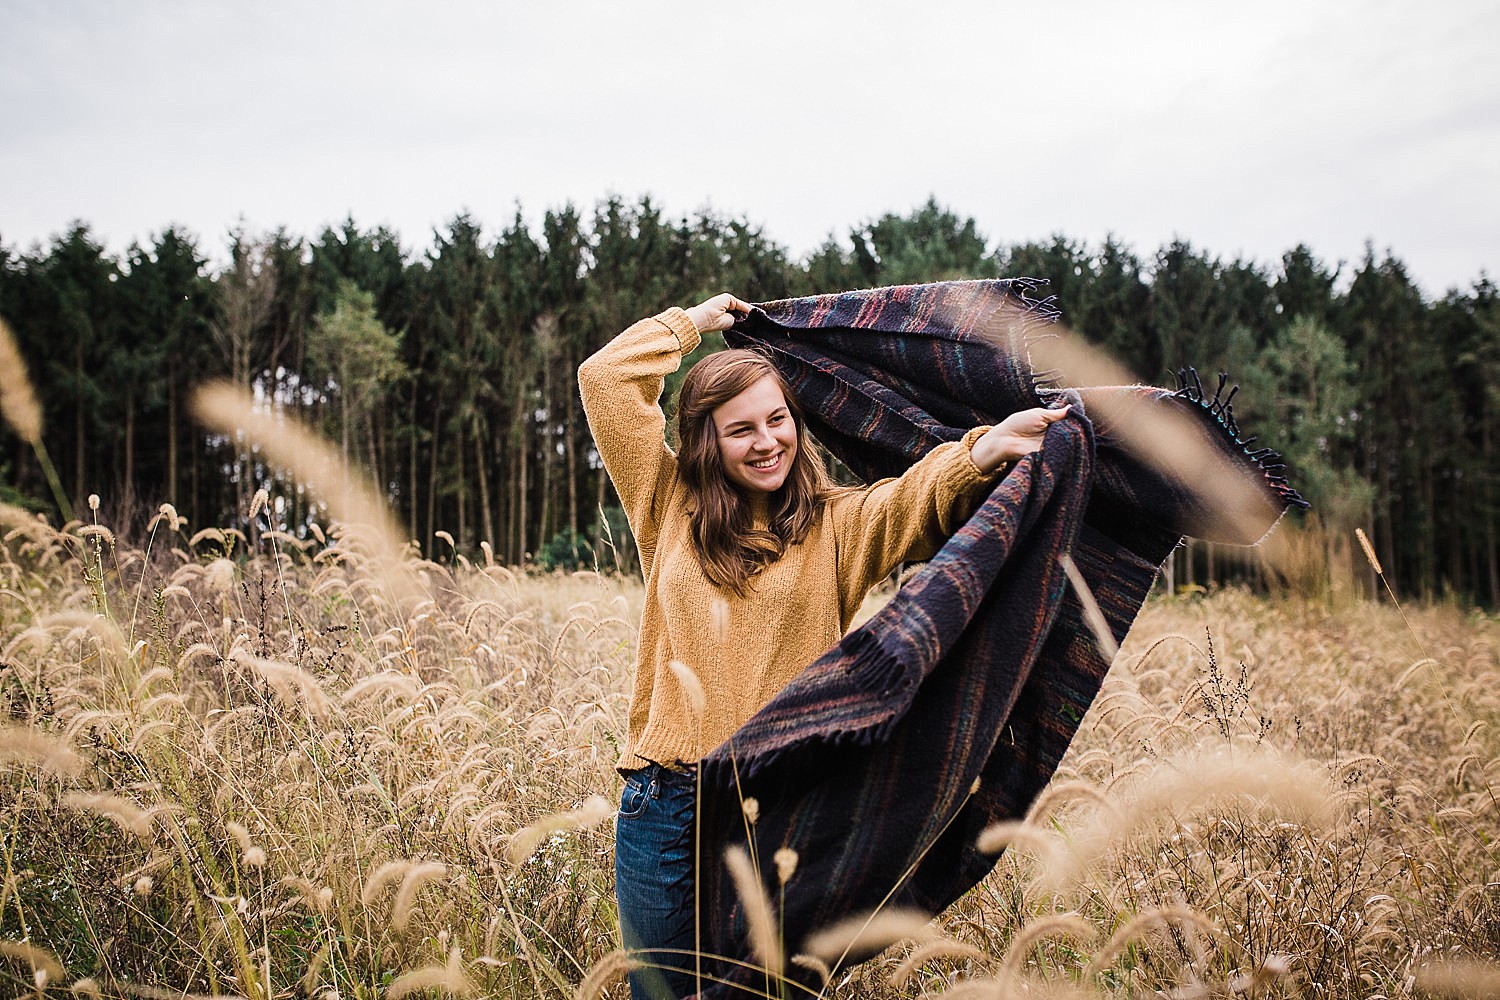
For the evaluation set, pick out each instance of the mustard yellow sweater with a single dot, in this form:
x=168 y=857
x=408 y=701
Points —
x=743 y=650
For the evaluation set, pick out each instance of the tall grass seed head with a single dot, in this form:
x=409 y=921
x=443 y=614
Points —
x=18 y=403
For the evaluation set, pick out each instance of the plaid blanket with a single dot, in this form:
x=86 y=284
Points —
x=950 y=709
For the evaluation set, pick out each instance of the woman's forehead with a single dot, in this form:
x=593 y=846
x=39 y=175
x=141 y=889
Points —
x=757 y=401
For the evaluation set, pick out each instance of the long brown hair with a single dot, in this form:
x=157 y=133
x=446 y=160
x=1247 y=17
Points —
x=730 y=547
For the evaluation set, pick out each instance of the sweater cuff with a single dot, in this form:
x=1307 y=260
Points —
x=976 y=473
x=682 y=326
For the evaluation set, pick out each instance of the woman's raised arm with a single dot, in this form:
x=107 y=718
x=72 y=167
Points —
x=621 y=385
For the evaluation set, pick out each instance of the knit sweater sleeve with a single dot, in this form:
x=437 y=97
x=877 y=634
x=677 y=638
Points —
x=621 y=386
x=909 y=517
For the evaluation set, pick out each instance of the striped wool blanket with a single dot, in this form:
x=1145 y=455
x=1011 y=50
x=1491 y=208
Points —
x=949 y=710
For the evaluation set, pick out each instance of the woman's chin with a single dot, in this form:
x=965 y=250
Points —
x=759 y=487
x=754 y=480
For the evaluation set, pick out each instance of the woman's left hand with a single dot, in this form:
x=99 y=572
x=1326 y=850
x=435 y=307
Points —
x=717 y=313
x=1016 y=436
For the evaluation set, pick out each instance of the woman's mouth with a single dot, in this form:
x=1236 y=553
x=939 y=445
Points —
x=765 y=464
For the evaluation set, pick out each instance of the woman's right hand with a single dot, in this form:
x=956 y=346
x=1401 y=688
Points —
x=714 y=313
x=1015 y=437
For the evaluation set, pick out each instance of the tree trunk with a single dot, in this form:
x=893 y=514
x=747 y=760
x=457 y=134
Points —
x=411 y=465
x=344 y=424
x=570 y=451
x=544 y=515
x=377 y=480
x=129 y=477
x=522 y=493
x=600 y=487
x=241 y=368
x=504 y=465
x=195 y=484
x=1459 y=576
x=174 y=495
x=460 y=484
x=432 y=479
x=1386 y=547
x=1492 y=558
x=80 y=487
x=481 y=473
x=520 y=452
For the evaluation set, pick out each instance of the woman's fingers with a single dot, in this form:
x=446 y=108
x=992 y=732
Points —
x=1016 y=436
x=1032 y=422
x=714 y=313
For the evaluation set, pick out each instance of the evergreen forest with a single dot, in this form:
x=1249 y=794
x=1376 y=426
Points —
x=447 y=374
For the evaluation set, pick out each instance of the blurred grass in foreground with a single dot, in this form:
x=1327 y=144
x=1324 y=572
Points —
x=274 y=774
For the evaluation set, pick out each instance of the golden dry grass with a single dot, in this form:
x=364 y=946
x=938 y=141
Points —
x=280 y=774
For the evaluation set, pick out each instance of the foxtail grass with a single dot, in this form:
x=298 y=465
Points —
x=290 y=780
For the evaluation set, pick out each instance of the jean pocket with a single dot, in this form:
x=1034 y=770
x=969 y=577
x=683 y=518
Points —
x=636 y=795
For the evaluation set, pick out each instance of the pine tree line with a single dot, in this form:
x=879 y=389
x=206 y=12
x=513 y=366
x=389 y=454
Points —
x=449 y=375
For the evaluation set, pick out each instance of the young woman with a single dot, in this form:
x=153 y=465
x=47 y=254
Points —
x=754 y=564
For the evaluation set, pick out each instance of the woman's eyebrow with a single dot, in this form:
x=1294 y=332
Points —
x=746 y=423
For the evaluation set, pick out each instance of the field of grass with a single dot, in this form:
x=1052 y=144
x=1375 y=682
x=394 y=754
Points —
x=298 y=768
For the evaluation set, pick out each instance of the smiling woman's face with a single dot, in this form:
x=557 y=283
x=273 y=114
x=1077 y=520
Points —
x=757 y=438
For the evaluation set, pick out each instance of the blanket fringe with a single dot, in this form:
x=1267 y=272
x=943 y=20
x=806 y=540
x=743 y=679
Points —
x=1032 y=319
x=1035 y=321
x=870 y=667
x=874 y=669
x=1220 y=407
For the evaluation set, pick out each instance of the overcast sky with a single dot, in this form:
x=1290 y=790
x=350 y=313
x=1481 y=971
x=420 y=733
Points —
x=1244 y=128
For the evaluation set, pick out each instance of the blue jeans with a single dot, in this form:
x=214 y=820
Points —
x=654 y=879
